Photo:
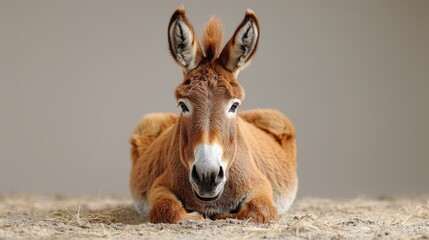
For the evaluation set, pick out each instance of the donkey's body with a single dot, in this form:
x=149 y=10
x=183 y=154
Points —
x=179 y=162
x=266 y=154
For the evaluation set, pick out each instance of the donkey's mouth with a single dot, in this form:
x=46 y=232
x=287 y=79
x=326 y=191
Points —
x=208 y=199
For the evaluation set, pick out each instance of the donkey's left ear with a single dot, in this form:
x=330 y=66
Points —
x=183 y=44
x=242 y=46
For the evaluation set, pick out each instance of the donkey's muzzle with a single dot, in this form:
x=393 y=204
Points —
x=207 y=172
x=208 y=180
x=208 y=185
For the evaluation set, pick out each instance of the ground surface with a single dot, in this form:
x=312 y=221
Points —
x=28 y=216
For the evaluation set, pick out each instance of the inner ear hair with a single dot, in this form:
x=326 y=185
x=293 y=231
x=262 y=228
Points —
x=183 y=45
x=246 y=41
x=240 y=48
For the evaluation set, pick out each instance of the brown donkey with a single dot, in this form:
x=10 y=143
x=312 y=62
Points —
x=211 y=161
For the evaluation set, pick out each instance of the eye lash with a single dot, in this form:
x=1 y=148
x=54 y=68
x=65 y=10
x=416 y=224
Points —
x=234 y=107
x=183 y=106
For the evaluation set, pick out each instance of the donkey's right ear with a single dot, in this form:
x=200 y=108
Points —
x=240 y=49
x=183 y=44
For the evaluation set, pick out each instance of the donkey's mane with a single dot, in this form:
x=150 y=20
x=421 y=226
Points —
x=213 y=37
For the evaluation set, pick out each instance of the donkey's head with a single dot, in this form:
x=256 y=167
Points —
x=209 y=96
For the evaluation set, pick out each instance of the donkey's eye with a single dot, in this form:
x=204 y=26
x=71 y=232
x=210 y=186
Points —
x=184 y=107
x=234 y=107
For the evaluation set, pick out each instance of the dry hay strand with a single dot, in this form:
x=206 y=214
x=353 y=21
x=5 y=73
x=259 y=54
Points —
x=421 y=212
x=310 y=223
x=83 y=215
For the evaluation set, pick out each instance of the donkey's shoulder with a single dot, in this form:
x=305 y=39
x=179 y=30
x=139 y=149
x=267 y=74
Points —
x=148 y=130
x=270 y=121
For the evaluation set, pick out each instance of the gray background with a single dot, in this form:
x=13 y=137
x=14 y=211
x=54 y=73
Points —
x=76 y=76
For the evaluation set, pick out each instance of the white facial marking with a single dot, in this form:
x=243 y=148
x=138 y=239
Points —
x=229 y=105
x=208 y=159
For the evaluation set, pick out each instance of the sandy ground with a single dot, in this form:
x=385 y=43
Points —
x=30 y=216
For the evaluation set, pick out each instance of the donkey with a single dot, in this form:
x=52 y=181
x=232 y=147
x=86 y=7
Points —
x=211 y=161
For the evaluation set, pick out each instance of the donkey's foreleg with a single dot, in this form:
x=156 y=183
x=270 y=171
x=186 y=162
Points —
x=258 y=207
x=166 y=208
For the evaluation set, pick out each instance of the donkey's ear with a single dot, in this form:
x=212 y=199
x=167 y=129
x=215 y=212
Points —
x=240 y=48
x=184 y=46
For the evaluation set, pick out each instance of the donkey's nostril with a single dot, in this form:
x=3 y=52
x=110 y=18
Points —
x=194 y=174
x=220 y=175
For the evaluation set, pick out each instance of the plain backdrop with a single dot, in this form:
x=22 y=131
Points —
x=76 y=76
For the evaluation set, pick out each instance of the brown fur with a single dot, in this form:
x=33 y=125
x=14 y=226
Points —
x=259 y=146
x=224 y=56
x=213 y=37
